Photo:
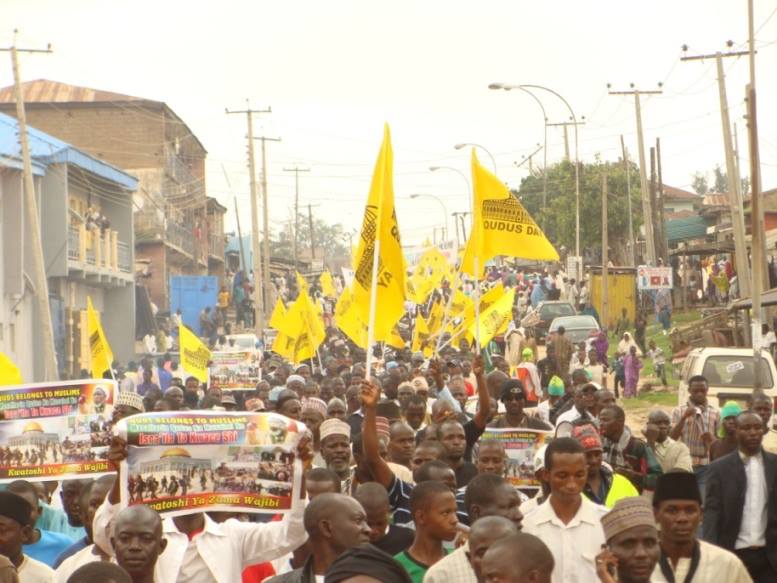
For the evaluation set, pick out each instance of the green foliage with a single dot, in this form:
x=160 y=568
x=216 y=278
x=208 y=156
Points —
x=558 y=219
x=329 y=239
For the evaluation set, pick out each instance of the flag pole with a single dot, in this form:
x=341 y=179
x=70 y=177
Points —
x=446 y=316
x=373 y=300
x=477 y=305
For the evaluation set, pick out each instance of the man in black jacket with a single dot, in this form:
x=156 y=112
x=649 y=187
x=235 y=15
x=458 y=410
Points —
x=334 y=523
x=739 y=511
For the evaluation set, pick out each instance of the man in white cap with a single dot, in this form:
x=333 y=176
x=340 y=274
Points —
x=336 y=450
x=296 y=383
x=127 y=403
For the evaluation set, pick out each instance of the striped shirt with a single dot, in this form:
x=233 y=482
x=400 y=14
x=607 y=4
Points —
x=706 y=420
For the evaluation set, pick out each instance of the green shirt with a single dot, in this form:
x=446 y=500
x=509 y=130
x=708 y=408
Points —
x=415 y=569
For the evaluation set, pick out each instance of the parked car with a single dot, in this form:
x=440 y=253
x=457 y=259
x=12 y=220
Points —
x=729 y=372
x=576 y=328
x=243 y=341
x=547 y=312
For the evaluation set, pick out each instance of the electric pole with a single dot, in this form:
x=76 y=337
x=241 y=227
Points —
x=735 y=196
x=312 y=233
x=259 y=309
x=50 y=369
x=565 y=125
x=605 y=252
x=296 y=171
x=632 y=252
x=650 y=243
x=268 y=287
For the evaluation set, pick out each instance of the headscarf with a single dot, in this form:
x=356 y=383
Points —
x=366 y=560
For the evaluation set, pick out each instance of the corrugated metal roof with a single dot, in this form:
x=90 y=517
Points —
x=715 y=199
x=45 y=91
x=685 y=229
x=674 y=193
x=46 y=149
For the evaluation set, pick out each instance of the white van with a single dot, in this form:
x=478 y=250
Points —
x=729 y=372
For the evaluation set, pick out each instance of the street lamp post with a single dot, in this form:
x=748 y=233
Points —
x=490 y=155
x=463 y=177
x=444 y=212
x=525 y=88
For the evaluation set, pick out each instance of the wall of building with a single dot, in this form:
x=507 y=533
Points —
x=157 y=283
x=54 y=219
x=16 y=307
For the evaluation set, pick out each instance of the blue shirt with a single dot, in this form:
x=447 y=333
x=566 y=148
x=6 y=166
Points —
x=164 y=379
x=71 y=550
x=55 y=520
x=48 y=548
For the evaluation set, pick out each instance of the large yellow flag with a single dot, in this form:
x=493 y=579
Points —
x=9 y=372
x=495 y=319
x=278 y=315
x=305 y=327
x=101 y=354
x=347 y=319
x=195 y=356
x=327 y=286
x=500 y=225
x=395 y=339
x=421 y=336
x=302 y=283
x=380 y=225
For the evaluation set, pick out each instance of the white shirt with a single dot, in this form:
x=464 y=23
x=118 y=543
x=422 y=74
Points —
x=715 y=564
x=574 y=545
x=752 y=531
x=543 y=411
x=32 y=571
x=224 y=549
x=571 y=415
x=74 y=561
x=453 y=568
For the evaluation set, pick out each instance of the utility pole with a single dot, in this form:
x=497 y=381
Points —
x=312 y=232
x=632 y=251
x=565 y=125
x=653 y=203
x=647 y=218
x=50 y=369
x=735 y=195
x=268 y=288
x=256 y=259
x=605 y=251
x=664 y=252
x=296 y=171
x=237 y=218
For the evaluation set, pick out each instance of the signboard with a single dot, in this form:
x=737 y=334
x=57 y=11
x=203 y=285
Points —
x=573 y=264
x=181 y=462
x=234 y=370
x=649 y=277
x=56 y=431
x=520 y=446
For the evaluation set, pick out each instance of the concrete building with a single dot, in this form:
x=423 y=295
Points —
x=85 y=208
x=178 y=230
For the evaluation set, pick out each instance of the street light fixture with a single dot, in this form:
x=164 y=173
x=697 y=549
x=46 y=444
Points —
x=463 y=177
x=474 y=145
x=444 y=211
x=525 y=88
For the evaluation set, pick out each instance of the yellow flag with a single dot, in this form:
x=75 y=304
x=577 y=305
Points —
x=302 y=284
x=380 y=226
x=421 y=336
x=101 y=354
x=347 y=319
x=195 y=356
x=436 y=315
x=495 y=319
x=500 y=226
x=305 y=327
x=327 y=286
x=395 y=339
x=278 y=315
x=9 y=372
x=284 y=345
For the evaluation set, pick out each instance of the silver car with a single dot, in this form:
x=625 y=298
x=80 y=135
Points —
x=577 y=328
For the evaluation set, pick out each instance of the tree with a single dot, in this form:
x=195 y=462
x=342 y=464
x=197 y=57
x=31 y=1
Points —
x=700 y=184
x=329 y=239
x=558 y=219
x=720 y=184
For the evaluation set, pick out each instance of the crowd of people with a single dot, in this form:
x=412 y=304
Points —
x=400 y=484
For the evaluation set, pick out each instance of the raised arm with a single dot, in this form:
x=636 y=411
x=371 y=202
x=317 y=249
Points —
x=379 y=468
x=484 y=399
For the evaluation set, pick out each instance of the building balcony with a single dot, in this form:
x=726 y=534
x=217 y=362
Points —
x=99 y=255
x=151 y=227
x=216 y=246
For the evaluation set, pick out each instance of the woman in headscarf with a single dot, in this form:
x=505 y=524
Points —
x=601 y=344
x=624 y=346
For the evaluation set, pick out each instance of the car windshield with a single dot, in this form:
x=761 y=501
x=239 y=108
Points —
x=550 y=311
x=734 y=371
x=574 y=322
x=245 y=342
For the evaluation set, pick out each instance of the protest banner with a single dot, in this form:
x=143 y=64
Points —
x=237 y=370
x=649 y=277
x=55 y=431
x=181 y=462
x=520 y=446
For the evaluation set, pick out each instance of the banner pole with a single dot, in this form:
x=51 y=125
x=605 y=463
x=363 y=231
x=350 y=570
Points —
x=373 y=302
x=477 y=305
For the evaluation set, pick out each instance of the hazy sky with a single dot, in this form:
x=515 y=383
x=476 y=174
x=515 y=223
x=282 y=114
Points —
x=335 y=71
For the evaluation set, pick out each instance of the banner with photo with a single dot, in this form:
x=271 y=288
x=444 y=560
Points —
x=520 y=446
x=235 y=370
x=56 y=431
x=181 y=462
